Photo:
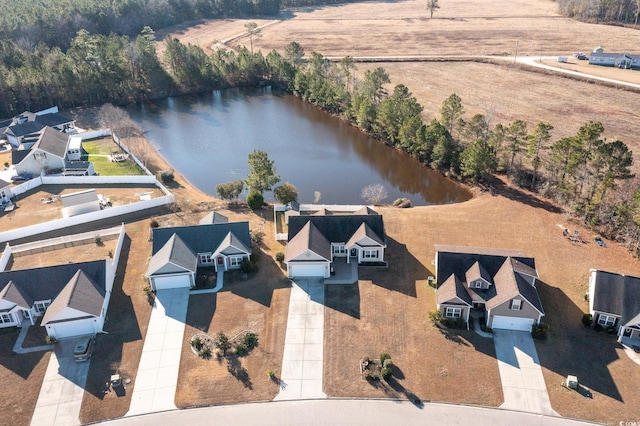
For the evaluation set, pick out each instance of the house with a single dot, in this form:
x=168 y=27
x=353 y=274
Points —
x=500 y=283
x=46 y=155
x=614 y=301
x=72 y=299
x=80 y=202
x=177 y=252
x=316 y=241
x=618 y=60
x=24 y=129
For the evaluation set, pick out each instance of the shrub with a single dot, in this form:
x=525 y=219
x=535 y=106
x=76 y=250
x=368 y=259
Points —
x=196 y=343
x=154 y=223
x=201 y=281
x=255 y=200
x=387 y=363
x=222 y=342
x=272 y=373
x=384 y=356
x=597 y=327
x=110 y=254
x=402 y=203
x=371 y=375
x=50 y=340
x=280 y=256
x=241 y=349
x=386 y=373
x=436 y=317
x=246 y=267
x=205 y=353
x=539 y=331
x=147 y=290
x=256 y=238
x=97 y=239
x=285 y=193
x=166 y=176
x=251 y=340
x=230 y=190
x=586 y=320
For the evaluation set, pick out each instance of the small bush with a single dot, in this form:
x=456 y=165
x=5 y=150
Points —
x=539 y=331
x=98 y=239
x=280 y=256
x=384 y=356
x=201 y=281
x=272 y=373
x=586 y=320
x=166 y=176
x=597 y=327
x=251 y=340
x=147 y=290
x=386 y=373
x=256 y=238
x=50 y=340
x=371 y=375
x=110 y=254
x=436 y=317
x=222 y=342
x=241 y=349
x=205 y=353
x=154 y=223
x=196 y=343
x=246 y=267
x=402 y=203
x=255 y=200
x=387 y=363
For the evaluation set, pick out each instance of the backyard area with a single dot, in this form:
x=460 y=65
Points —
x=109 y=159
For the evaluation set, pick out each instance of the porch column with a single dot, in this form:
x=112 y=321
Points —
x=381 y=251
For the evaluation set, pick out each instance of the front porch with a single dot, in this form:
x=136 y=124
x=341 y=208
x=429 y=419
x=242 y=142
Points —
x=342 y=272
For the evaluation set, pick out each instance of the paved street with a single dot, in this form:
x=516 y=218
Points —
x=346 y=412
x=522 y=381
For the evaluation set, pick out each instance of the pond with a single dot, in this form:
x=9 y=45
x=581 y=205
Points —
x=208 y=138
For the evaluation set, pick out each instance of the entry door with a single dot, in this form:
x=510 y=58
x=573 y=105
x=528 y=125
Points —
x=354 y=252
x=627 y=332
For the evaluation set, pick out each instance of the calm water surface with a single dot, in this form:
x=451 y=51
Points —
x=208 y=137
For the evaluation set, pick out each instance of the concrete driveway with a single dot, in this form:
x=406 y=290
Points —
x=522 y=381
x=155 y=384
x=62 y=388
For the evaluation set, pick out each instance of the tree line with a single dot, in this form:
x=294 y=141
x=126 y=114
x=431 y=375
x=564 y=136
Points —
x=605 y=11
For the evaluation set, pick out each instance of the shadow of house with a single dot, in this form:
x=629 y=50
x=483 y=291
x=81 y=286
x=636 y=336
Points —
x=20 y=364
x=572 y=349
x=200 y=312
x=343 y=298
x=109 y=346
x=403 y=271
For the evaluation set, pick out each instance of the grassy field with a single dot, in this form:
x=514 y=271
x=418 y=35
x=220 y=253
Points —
x=99 y=152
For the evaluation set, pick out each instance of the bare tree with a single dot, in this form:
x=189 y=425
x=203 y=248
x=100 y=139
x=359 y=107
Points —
x=374 y=193
x=118 y=120
x=432 y=5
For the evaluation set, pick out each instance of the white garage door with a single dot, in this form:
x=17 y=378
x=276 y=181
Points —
x=174 y=281
x=512 y=323
x=71 y=329
x=308 y=270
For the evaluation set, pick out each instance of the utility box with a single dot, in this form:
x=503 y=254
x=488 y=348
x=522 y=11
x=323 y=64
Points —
x=572 y=382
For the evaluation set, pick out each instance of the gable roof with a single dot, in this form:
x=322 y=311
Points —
x=323 y=212
x=617 y=294
x=337 y=228
x=81 y=293
x=510 y=284
x=477 y=271
x=17 y=155
x=53 y=119
x=231 y=241
x=364 y=231
x=202 y=238
x=174 y=251
x=26 y=128
x=46 y=283
x=53 y=142
x=214 y=217
x=451 y=289
x=365 y=210
x=16 y=294
x=309 y=238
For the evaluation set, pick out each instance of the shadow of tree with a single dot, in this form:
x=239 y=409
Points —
x=235 y=368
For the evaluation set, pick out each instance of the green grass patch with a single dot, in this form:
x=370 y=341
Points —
x=100 y=147
x=104 y=167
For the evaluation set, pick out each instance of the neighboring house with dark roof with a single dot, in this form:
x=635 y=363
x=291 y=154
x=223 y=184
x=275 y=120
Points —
x=46 y=155
x=71 y=298
x=24 y=129
x=499 y=282
x=618 y=60
x=177 y=252
x=314 y=242
x=614 y=301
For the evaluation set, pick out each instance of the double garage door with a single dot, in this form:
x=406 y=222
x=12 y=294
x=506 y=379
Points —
x=71 y=329
x=309 y=270
x=173 y=281
x=512 y=323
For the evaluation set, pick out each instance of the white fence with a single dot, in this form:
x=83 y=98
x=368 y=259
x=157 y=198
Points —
x=317 y=207
x=95 y=134
x=6 y=257
x=98 y=180
x=65 y=241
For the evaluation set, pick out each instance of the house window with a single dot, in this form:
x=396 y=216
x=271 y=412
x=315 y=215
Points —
x=606 y=320
x=453 y=312
x=235 y=261
x=340 y=249
x=42 y=306
x=40 y=155
x=6 y=318
x=478 y=284
x=370 y=254
x=516 y=305
x=205 y=258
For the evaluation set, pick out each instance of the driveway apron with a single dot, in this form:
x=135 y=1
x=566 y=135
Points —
x=62 y=389
x=155 y=384
x=302 y=361
x=522 y=381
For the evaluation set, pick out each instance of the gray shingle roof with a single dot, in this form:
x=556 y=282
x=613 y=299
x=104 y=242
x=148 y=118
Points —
x=16 y=294
x=309 y=238
x=365 y=211
x=53 y=142
x=174 y=251
x=364 y=231
x=213 y=217
x=337 y=228
x=81 y=293
x=25 y=128
x=232 y=245
x=617 y=294
x=53 y=119
x=202 y=238
x=46 y=283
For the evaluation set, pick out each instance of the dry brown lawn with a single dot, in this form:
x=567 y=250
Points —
x=81 y=252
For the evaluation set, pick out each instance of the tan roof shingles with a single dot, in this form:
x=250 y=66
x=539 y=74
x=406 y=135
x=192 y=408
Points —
x=15 y=294
x=364 y=231
x=176 y=252
x=309 y=238
x=81 y=293
x=452 y=288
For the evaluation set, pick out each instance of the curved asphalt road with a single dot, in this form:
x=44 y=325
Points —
x=345 y=412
